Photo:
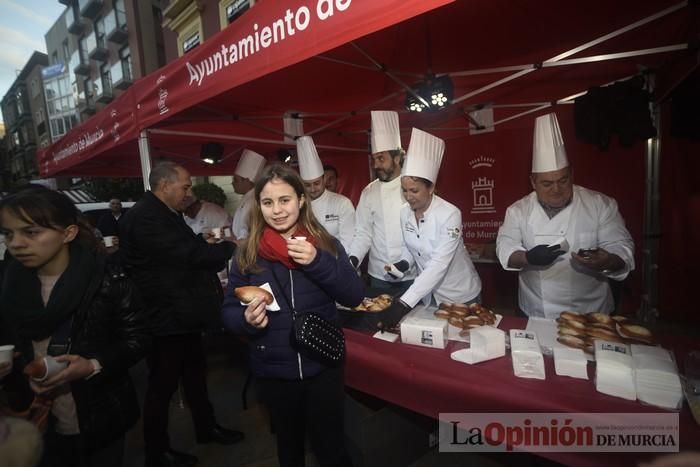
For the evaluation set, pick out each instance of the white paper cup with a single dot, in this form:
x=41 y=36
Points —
x=52 y=367
x=227 y=232
x=109 y=241
x=216 y=231
x=6 y=352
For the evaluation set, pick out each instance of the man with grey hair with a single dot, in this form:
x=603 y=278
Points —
x=175 y=272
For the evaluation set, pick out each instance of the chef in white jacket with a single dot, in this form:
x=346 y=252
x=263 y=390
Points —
x=250 y=166
x=556 y=218
x=334 y=211
x=377 y=217
x=432 y=234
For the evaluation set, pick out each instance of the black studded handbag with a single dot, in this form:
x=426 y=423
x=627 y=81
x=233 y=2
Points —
x=318 y=338
x=314 y=336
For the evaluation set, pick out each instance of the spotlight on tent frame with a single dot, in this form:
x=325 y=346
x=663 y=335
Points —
x=211 y=153
x=436 y=94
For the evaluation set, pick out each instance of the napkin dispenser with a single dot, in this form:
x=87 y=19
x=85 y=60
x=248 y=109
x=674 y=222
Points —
x=485 y=343
x=425 y=332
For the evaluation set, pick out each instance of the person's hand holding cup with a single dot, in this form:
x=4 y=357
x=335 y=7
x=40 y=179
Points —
x=7 y=354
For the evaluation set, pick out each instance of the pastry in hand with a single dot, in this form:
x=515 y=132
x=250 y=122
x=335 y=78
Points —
x=248 y=293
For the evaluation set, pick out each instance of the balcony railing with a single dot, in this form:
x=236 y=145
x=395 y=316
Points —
x=121 y=75
x=97 y=50
x=78 y=66
x=90 y=8
x=73 y=24
x=103 y=89
x=115 y=27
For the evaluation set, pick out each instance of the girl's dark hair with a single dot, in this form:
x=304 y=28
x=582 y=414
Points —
x=247 y=253
x=38 y=205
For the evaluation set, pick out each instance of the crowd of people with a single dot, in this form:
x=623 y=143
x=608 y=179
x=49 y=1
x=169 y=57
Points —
x=95 y=310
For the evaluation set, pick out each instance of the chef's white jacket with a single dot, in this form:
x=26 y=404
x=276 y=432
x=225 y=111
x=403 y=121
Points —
x=378 y=228
x=591 y=220
x=239 y=226
x=209 y=216
x=336 y=213
x=435 y=245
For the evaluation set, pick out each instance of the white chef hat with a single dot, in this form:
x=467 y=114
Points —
x=424 y=156
x=548 y=152
x=250 y=165
x=386 y=135
x=310 y=166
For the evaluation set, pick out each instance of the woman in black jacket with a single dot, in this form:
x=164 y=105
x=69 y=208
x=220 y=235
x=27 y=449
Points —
x=60 y=298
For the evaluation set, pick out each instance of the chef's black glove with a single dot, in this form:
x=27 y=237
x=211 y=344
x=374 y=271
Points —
x=402 y=265
x=543 y=255
x=354 y=261
x=389 y=318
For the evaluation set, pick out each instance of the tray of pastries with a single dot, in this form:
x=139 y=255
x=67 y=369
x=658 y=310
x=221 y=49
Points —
x=466 y=317
x=373 y=305
x=579 y=330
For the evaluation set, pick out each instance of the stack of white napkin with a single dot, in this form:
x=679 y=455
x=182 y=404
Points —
x=486 y=343
x=527 y=356
x=614 y=370
x=656 y=377
x=570 y=362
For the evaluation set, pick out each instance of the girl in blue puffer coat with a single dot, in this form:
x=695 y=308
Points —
x=308 y=270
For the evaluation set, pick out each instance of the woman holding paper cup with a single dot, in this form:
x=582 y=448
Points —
x=432 y=234
x=76 y=324
x=308 y=270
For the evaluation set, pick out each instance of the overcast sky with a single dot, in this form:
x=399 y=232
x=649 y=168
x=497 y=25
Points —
x=23 y=24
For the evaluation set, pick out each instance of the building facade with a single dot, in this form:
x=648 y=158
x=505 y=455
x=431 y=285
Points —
x=187 y=23
x=24 y=114
x=106 y=44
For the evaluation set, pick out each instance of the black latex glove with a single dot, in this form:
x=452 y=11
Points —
x=402 y=265
x=543 y=255
x=389 y=318
x=354 y=261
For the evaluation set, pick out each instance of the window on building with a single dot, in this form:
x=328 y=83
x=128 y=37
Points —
x=82 y=46
x=34 y=88
x=121 y=12
x=236 y=8
x=54 y=57
x=100 y=31
x=66 y=51
x=230 y=10
x=190 y=42
x=125 y=57
x=106 y=79
x=188 y=27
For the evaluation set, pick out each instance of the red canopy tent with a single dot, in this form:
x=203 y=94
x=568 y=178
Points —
x=516 y=57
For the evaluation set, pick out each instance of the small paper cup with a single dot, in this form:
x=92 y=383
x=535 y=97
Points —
x=6 y=353
x=216 y=231
x=109 y=241
x=52 y=367
x=227 y=232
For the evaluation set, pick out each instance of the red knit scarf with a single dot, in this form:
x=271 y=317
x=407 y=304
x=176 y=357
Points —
x=273 y=246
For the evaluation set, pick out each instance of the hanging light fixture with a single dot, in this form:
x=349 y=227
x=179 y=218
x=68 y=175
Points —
x=211 y=153
x=430 y=95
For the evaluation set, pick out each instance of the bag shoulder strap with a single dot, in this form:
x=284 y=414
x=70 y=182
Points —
x=290 y=303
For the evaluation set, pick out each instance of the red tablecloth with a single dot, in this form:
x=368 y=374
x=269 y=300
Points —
x=427 y=381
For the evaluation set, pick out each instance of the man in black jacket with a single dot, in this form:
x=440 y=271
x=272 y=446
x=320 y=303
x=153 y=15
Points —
x=175 y=270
